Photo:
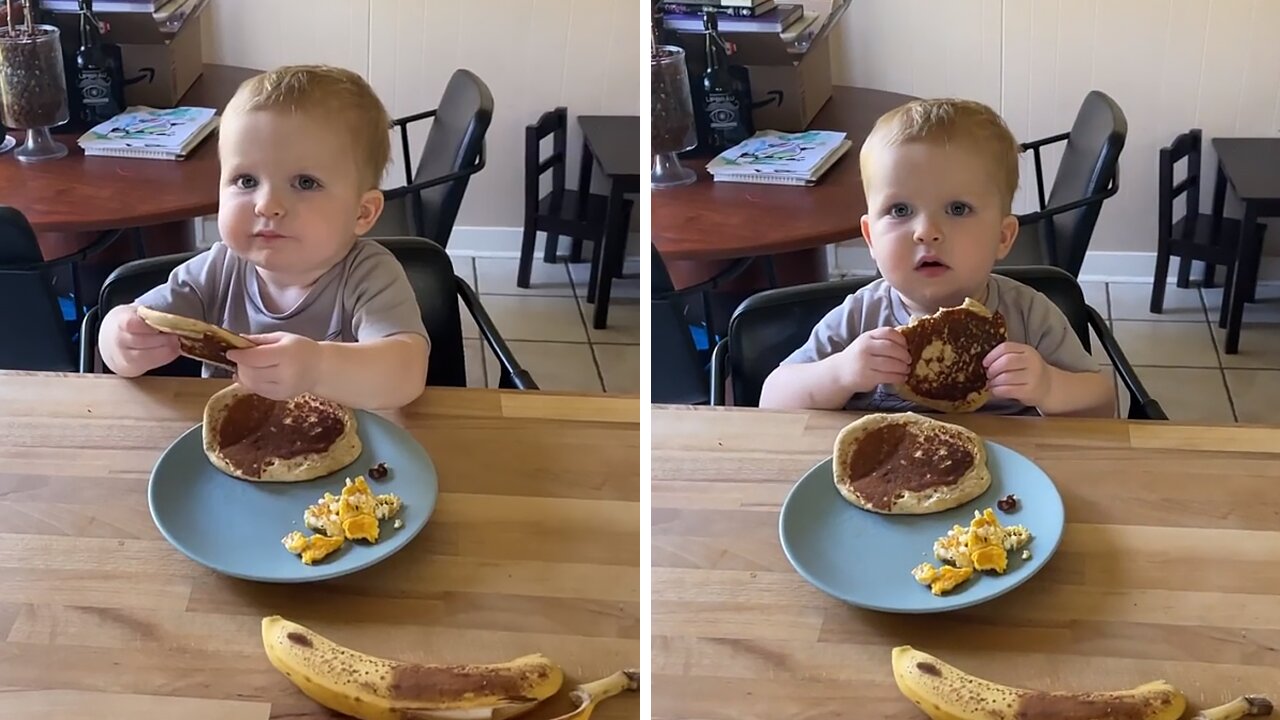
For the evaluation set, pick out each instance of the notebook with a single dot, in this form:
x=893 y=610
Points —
x=779 y=158
x=151 y=133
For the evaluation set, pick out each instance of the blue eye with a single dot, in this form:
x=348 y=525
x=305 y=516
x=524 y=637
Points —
x=899 y=210
x=245 y=182
x=306 y=182
x=959 y=208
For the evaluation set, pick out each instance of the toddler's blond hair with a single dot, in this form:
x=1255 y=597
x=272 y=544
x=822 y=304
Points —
x=949 y=121
x=334 y=94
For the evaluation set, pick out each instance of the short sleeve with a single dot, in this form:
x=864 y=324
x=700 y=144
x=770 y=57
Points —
x=836 y=331
x=1050 y=333
x=192 y=287
x=381 y=299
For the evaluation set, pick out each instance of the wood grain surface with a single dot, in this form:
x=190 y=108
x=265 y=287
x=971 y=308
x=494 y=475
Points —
x=1169 y=568
x=534 y=546
x=79 y=193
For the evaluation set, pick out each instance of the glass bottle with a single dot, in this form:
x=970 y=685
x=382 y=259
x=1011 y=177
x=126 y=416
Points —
x=99 y=73
x=725 y=100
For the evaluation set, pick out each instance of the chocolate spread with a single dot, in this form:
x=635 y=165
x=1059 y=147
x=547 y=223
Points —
x=970 y=337
x=427 y=683
x=209 y=347
x=1043 y=706
x=884 y=464
x=256 y=429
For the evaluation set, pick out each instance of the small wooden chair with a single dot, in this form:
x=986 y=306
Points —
x=577 y=214
x=1192 y=236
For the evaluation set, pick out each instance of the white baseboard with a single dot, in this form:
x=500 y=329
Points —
x=852 y=258
x=504 y=242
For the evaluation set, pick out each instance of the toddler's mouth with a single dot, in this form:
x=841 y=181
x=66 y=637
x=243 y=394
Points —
x=931 y=262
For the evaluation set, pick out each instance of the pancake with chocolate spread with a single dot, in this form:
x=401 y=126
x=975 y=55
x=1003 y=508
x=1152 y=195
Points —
x=909 y=464
x=263 y=440
x=196 y=338
x=947 y=349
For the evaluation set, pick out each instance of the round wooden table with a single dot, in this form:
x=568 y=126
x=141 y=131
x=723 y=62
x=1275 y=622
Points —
x=702 y=228
x=70 y=200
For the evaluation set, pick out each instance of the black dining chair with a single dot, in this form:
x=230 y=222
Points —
x=1058 y=234
x=430 y=272
x=770 y=325
x=1192 y=236
x=560 y=211
x=34 y=334
x=427 y=204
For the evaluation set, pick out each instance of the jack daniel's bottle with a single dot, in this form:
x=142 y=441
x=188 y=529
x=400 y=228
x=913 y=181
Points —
x=97 y=91
x=724 y=108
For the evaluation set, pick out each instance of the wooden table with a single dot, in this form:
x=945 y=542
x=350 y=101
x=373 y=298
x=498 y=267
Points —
x=534 y=546
x=1169 y=567
x=1251 y=166
x=69 y=201
x=702 y=227
x=613 y=143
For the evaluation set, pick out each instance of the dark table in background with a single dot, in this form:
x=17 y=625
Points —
x=611 y=142
x=1251 y=166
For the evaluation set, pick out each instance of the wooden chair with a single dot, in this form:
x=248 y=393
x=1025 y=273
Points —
x=576 y=214
x=1192 y=236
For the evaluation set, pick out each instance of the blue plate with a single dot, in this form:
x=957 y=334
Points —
x=234 y=526
x=866 y=558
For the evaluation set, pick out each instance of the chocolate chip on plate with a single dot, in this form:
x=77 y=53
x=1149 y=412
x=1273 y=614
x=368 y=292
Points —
x=378 y=471
x=1007 y=503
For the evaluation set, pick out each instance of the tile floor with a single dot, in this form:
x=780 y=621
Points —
x=1178 y=354
x=548 y=327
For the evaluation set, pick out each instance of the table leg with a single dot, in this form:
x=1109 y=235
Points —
x=608 y=255
x=1215 y=230
x=1245 y=276
x=584 y=194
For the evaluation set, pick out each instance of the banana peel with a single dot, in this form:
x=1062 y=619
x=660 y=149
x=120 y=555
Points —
x=1241 y=707
x=588 y=695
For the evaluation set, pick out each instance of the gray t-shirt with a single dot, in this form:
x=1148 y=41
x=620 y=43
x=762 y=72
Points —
x=364 y=296
x=1030 y=317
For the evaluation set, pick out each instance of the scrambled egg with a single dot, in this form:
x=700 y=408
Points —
x=984 y=545
x=353 y=515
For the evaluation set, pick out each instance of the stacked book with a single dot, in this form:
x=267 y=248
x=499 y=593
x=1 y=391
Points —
x=777 y=158
x=156 y=134
x=763 y=16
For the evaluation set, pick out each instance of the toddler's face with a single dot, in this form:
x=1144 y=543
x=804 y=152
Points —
x=290 y=200
x=935 y=222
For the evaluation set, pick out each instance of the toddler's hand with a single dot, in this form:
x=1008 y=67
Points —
x=1018 y=372
x=283 y=365
x=137 y=347
x=876 y=357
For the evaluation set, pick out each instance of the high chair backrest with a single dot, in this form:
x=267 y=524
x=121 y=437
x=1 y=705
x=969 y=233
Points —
x=554 y=123
x=1185 y=146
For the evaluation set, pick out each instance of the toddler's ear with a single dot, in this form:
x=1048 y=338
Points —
x=371 y=205
x=865 y=222
x=1008 y=233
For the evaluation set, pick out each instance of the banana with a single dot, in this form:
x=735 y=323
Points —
x=587 y=696
x=946 y=693
x=372 y=688
x=1243 y=706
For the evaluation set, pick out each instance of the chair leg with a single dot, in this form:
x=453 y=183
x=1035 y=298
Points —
x=551 y=249
x=1184 y=272
x=575 y=252
x=526 y=255
x=1161 y=277
x=1253 y=282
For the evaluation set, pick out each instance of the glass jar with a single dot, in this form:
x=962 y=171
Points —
x=33 y=88
x=673 y=130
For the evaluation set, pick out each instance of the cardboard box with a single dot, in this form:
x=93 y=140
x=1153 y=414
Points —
x=162 y=58
x=790 y=78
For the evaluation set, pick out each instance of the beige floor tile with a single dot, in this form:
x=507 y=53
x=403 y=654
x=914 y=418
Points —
x=465 y=268
x=1266 y=310
x=623 y=323
x=1191 y=395
x=475 y=351
x=536 y=318
x=554 y=366
x=1095 y=293
x=620 y=366
x=1256 y=394
x=1259 y=346
x=498 y=276
x=1166 y=344
x=1132 y=301
x=627 y=287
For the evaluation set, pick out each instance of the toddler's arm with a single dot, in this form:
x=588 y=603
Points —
x=801 y=386
x=130 y=347
x=1087 y=394
x=383 y=374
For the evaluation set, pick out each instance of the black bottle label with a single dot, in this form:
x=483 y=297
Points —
x=95 y=87
x=723 y=112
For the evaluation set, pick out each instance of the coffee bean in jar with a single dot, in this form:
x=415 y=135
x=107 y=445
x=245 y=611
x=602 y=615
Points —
x=672 y=129
x=33 y=88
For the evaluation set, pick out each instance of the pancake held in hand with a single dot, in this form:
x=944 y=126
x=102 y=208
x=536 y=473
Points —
x=196 y=338
x=908 y=464
x=263 y=440
x=947 y=349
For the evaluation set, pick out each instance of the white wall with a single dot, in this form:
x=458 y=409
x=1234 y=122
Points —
x=533 y=54
x=1170 y=64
